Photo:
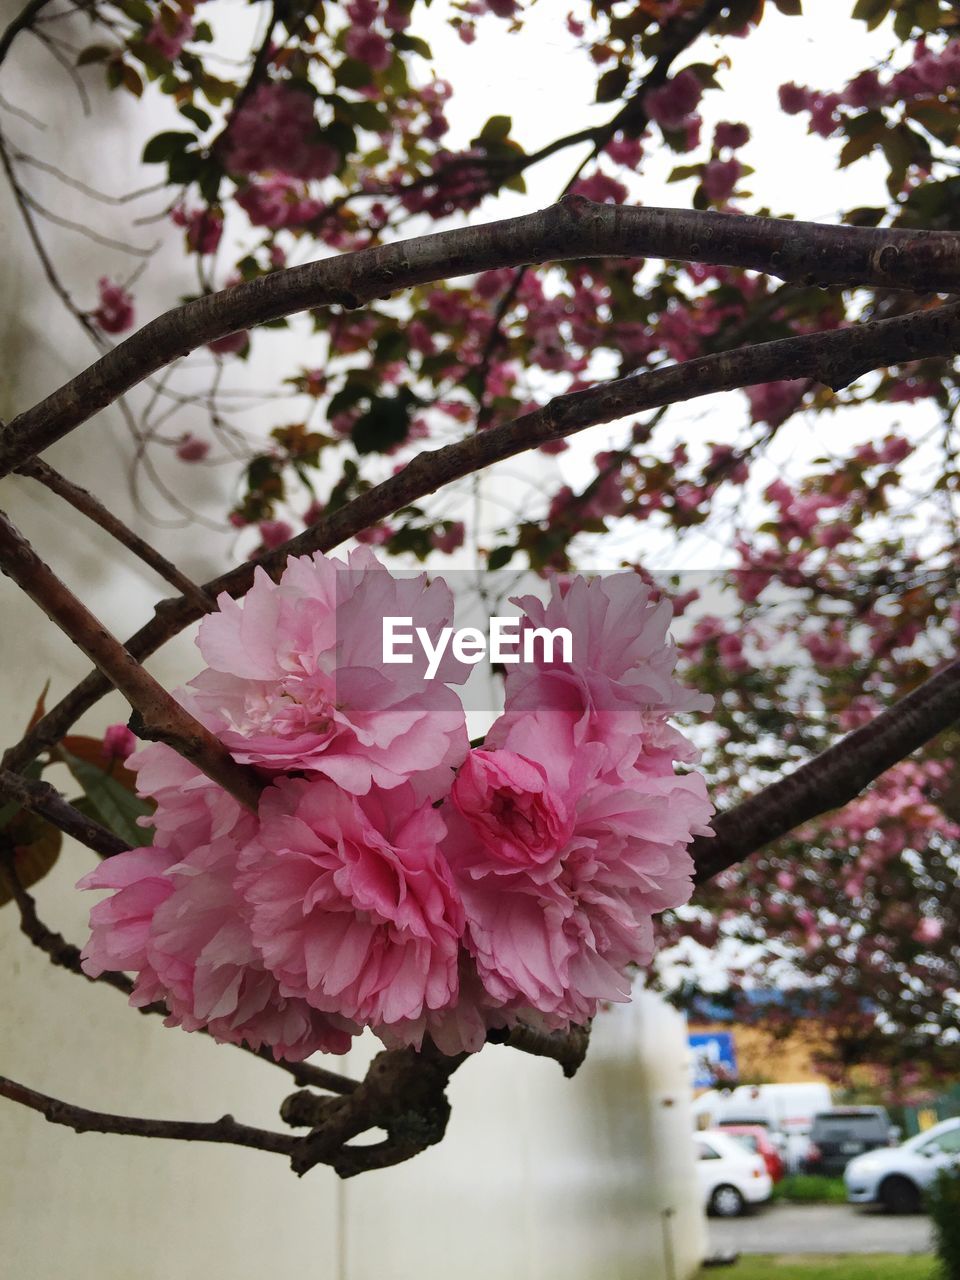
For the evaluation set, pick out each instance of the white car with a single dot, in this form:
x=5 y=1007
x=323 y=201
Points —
x=897 y=1177
x=730 y=1176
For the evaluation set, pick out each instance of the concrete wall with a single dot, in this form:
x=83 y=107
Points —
x=587 y=1180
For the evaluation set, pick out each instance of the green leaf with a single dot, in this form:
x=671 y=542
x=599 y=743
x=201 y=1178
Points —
x=499 y=557
x=115 y=806
x=196 y=115
x=497 y=129
x=386 y=423
x=412 y=44
x=36 y=847
x=94 y=53
x=872 y=12
x=612 y=84
x=685 y=171
x=139 y=11
x=163 y=146
x=792 y=8
x=353 y=74
x=864 y=217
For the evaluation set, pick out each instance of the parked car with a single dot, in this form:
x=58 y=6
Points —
x=897 y=1177
x=731 y=1178
x=841 y=1133
x=787 y=1111
x=757 y=1139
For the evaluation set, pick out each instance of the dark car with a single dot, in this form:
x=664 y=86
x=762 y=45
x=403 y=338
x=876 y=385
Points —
x=838 y=1135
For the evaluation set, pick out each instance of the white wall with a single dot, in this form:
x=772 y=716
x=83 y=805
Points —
x=538 y=1176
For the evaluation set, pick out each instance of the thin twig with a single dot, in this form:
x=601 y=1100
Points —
x=84 y=502
x=46 y=802
x=163 y=718
x=21 y=22
x=82 y=1120
x=61 y=953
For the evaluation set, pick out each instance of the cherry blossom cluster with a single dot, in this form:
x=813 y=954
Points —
x=394 y=878
x=928 y=75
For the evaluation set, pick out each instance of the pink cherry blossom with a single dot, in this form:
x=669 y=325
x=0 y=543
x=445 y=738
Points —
x=729 y=135
x=232 y=344
x=296 y=677
x=175 y=920
x=204 y=227
x=369 y=47
x=169 y=33
x=352 y=906
x=450 y=539
x=192 y=449
x=275 y=532
x=562 y=859
x=619 y=681
x=671 y=105
x=118 y=742
x=928 y=930
x=275 y=131
x=865 y=90
x=115 y=313
x=600 y=187
x=278 y=202
x=624 y=150
x=511 y=809
x=720 y=178
x=774 y=402
x=793 y=99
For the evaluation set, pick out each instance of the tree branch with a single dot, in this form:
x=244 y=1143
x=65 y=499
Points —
x=21 y=22
x=84 y=502
x=569 y=1048
x=403 y=1092
x=573 y=228
x=835 y=357
x=164 y=718
x=833 y=778
x=54 y=945
x=81 y=1120
x=46 y=802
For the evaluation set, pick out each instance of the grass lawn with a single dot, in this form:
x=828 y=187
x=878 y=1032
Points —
x=828 y=1266
x=810 y=1188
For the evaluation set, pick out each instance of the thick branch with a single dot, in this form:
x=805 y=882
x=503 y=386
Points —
x=45 y=801
x=403 y=1092
x=833 y=778
x=568 y=1048
x=834 y=357
x=226 y=1129
x=84 y=502
x=574 y=228
x=164 y=716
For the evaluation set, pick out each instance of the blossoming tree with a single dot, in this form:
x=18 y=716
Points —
x=329 y=853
